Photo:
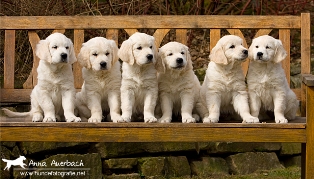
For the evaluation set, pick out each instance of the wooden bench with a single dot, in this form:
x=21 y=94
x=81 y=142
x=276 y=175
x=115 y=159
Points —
x=300 y=130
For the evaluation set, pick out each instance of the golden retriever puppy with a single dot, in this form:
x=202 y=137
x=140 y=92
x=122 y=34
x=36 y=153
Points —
x=54 y=94
x=102 y=80
x=179 y=88
x=139 y=88
x=224 y=89
x=267 y=83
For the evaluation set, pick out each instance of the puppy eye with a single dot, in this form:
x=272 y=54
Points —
x=139 y=48
x=182 y=53
x=151 y=47
x=66 y=47
x=107 y=53
x=267 y=47
x=232 y=46
x=170 y=54
x=256 y=46
x=55 y=47
x=95 y=54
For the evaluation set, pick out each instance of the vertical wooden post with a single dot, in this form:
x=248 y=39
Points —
x=284 y=36
x=77 y=69
x=309 y=159
x=181 y=36
x=305 y=55
x=9 y=59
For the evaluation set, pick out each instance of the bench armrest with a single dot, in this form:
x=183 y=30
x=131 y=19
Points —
x=308 y=79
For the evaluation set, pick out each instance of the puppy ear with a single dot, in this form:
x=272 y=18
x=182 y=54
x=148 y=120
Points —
x=218 y=56
x=189 y=65
x=160 y=65
x=280 y=52
x=42 y=50
x=114 y=49
x=125 y=52
x=83 y=57
x=72 y=57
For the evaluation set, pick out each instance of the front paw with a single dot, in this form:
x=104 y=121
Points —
x=73 y=119
x=210 y=120
x=188 y=120
x=281 y=120
x=251 y=120
x=94 y=119
x=124 y=119
x=116 y=118
x=164 y=120
x=49 y=119
x=150 y=119
x=37 y=118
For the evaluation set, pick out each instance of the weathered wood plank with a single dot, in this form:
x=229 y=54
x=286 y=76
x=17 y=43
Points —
x=284 y=36
x=214 y=37
x=160 y=35
x=32 y=78
x=181 y=36
x=113 y=34
x=151 y=134
x=15 y=95
x=308 y=79
x=309 y=166
x=134 y=22
x=77 y=69
x=9 y=59
x=305 y=55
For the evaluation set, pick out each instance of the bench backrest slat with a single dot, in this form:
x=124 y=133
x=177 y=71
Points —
x=153 y=22
x=9 y=59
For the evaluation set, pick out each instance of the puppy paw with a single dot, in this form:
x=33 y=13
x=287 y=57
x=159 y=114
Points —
x=125 y=119
x=188 y=120
x=73 y=119
x=251 y=120
x=281 y=120
x=210 y=120
x=49 y=119
x=150 y=119
x=92 y=119
x=37 y=118
x=116 y=119
x=196 y=117
x=164 y=120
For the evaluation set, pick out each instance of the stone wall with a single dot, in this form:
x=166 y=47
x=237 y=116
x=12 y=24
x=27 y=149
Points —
x=147 y=160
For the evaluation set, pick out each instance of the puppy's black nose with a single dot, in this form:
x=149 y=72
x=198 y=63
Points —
x=103 y=64
x=245 y=52
x=64 y=55
x=259 y=54
x=179 y=60
x=149 y=56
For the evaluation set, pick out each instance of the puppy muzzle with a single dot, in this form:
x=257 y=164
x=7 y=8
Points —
x=64 y=57
x=103 y=65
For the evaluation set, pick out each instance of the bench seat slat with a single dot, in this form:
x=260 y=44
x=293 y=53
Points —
x=150 y=21
x=151 y=134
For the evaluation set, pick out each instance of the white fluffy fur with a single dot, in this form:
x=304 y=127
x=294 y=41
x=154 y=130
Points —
x=139 y=88
x=267 y=83
x=224 y=89
x=179 y=87
x=102 y=80
x=54 y=94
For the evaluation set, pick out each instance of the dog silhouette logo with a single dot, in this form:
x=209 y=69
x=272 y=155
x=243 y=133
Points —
x=16 y=162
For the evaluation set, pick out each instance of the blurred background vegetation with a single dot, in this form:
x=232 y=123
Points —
x=198 y=40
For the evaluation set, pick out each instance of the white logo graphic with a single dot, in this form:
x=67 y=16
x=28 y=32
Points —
x=16 y=162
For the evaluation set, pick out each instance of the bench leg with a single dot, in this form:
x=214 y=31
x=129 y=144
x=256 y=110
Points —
x=309 y=148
